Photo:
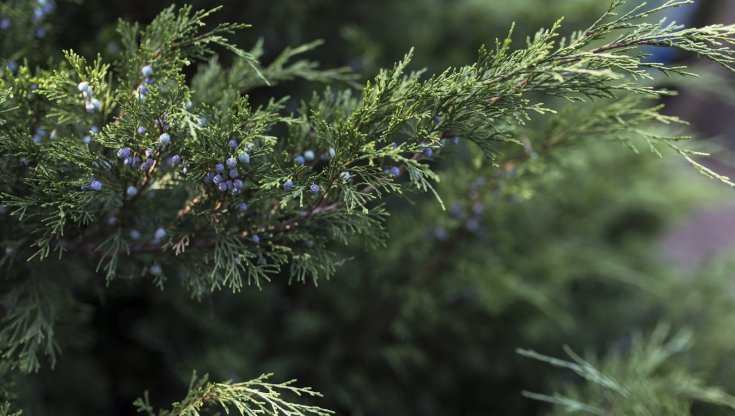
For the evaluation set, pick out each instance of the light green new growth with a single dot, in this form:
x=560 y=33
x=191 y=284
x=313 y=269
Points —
x=643 y=381
x=250 y=398
x=391 y=126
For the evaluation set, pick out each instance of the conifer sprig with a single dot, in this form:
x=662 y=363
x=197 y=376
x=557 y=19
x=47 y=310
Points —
x=250 y=398
x=640 y=380
x=127 y=161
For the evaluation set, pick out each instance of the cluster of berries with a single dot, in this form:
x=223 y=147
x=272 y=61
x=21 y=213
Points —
x=226 y=176
x=313 y=188
x=147 y=72
x=43 y=8
x=158 y=235
x=309 y=156
x=90 y=103
x=38 y=135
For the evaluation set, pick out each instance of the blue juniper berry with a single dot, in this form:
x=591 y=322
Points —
x=288 y=185
x=231 y=162
x=428 y=151
x=244 y=157
x=314 y=188
x=237 y=183
x=299 y=160
x=243 y=207
x=175 y=159
x=232 y=173
x=155 y=270
x=345 y=176
x=232 y=143
x=135 y=234
x=164 y=139
x=332 y=152
x=160 y=233
x=147 y=71
x=131 y=191
x=395 y=171
x=95 y=185
x=220 y=167
x=217 y=179
x=222 y=186
x=309 y=155
x=87 y=139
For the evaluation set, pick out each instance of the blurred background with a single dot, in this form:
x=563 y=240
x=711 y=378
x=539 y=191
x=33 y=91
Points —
x=611 y=243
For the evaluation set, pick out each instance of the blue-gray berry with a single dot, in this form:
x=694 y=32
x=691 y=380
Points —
x=237 y=183
x=231 y=162
x=309 y=155
x=222 y=186
x=175 y=159
x=243 y=207
x=141 y=130
x=217 y=179
x=332 y=152
x=164 y=139
x=288 y=185
x=220 y=167
x=244 y=157
x=95 y=185
x=345 y=176
x=131 y=191
x=233 y=173
x=314 y=188
x=299 y=160
x=160 y=233
x=147 y=71
x=135 y=234
x=428 y=151
x=83 y=86
x=155 y=270
x=232 y=143
x=395 y=171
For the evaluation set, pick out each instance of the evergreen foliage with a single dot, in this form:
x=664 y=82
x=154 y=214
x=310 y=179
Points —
x=127 y=170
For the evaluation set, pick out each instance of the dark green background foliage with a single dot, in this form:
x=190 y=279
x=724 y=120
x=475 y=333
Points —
x=559 y=249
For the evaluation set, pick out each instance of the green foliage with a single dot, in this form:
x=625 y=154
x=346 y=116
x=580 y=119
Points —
x=255 y=397
x=391 y=139
x=641 y=381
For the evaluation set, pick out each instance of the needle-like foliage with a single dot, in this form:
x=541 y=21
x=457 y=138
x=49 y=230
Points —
x=131 y=169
